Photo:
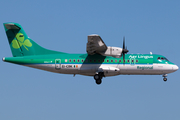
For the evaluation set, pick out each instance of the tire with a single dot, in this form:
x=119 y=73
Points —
x=97 y=77
x=165 y=79
x=98 y=81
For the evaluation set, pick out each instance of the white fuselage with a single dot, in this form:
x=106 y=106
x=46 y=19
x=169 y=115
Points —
x=108 y=69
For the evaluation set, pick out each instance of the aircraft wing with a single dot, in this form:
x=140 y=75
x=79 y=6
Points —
x=95 y=45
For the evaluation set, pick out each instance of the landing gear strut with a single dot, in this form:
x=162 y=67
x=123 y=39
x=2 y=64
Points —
x=165 y=79
x=98 y=77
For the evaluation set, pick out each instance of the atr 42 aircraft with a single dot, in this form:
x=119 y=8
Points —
x=100 y=60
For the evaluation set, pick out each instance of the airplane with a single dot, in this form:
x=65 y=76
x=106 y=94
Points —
x=99 y=61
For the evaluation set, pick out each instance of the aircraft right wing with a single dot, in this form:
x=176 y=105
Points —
x=95 y=45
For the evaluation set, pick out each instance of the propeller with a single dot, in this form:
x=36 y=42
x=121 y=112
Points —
x=124 y=50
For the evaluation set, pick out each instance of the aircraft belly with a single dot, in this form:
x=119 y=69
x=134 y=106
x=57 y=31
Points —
x=136 y=69
x=47 y=67
x=52 y=68
x=91 y=69
x=154 y=69
x=65 y=68
x=164 y=68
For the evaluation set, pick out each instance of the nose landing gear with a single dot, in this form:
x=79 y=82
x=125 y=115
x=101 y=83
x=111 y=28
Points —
x=98 y=77
x=165 y=79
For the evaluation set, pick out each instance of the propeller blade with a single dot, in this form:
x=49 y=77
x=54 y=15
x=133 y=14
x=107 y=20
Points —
x=123 y=59
x=123 y=42
x=124 y=50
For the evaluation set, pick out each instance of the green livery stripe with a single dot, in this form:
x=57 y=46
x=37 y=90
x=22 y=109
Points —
x=78 y=59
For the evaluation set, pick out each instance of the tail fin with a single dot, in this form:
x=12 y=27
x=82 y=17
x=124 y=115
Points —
x=21 y=44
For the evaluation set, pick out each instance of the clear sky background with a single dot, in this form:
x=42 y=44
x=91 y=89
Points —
x=148 y=25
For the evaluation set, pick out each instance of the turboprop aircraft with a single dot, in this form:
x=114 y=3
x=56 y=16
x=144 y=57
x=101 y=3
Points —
x=100 y=60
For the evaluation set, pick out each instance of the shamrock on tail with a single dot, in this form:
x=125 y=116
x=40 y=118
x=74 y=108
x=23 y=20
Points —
x=20 y=41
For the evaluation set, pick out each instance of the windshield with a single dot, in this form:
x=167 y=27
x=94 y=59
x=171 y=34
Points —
x=166 y=59
x=162 y=58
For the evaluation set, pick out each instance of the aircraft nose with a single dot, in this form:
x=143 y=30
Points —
x=175 y=67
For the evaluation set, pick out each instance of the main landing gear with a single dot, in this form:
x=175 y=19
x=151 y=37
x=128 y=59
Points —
x=98 y=77
x=165 y=79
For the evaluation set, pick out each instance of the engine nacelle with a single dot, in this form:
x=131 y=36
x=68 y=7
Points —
x=112 y=51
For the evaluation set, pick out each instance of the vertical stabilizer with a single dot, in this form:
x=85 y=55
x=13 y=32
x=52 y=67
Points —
x=21 y=44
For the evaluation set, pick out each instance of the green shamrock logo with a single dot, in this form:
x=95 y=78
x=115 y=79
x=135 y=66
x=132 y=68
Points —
x=20 y=41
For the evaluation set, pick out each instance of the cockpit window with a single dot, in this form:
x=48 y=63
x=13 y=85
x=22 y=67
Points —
x=166 y=59
x=162 y=58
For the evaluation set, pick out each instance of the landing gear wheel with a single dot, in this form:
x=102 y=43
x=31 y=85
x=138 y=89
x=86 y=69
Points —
x=97 y=77
x=98 y=81
x=165 y=79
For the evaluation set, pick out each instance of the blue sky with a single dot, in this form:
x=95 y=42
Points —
x=149 y=26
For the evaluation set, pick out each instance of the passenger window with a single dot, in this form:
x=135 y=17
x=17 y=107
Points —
x=69 y=60
x=86 y=60
x=107 y=60
x=74 y=60
x=90 y=60
x=99 y=60
x=111 y=60
x=82 y=60
x=119 y=60
x=103 y=60
x=116 y=61
x=78 y=60
x=124 y=60
x=127 y=60
x=132 y=61
x=94 y=60
x=137 y=61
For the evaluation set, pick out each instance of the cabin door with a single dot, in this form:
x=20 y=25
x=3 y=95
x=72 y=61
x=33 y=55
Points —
x=57 y=63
